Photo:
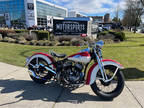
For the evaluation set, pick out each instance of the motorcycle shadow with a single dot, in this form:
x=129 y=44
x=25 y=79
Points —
x=52 y=92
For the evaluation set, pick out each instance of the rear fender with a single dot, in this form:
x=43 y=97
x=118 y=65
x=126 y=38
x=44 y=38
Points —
x=91 y=76
x=44 y=56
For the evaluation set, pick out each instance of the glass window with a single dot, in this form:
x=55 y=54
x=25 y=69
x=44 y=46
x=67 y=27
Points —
x=16 y=10
x=44 y=10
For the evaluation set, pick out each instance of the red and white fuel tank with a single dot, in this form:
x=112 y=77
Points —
x=82 y=57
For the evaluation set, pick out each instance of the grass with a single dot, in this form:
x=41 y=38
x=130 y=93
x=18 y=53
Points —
x=129 y=53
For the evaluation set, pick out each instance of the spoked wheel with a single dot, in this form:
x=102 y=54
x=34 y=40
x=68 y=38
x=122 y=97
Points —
x=38 y=72
x=111 y=89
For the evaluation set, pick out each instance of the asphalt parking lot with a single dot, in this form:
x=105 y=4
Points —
x=17 y=90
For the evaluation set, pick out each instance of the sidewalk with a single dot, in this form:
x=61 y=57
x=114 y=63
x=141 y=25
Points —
x=17 y=90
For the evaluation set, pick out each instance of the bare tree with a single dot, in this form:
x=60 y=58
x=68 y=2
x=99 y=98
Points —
x=133 y=13
x=142 y=1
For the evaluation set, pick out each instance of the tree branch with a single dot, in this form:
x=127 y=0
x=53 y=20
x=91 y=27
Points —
x=142 y=1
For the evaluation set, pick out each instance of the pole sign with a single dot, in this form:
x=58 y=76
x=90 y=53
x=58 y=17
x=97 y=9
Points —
x=7 y=19
x=30 y=6
x=69 y=27
x=30 y=11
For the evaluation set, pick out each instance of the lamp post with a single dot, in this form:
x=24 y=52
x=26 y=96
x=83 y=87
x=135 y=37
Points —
x=117 y=10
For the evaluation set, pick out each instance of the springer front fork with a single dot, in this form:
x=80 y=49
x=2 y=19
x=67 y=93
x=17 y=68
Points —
x=102 y=69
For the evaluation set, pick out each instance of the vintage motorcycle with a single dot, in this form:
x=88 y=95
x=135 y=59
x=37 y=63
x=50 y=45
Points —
x=105 y=76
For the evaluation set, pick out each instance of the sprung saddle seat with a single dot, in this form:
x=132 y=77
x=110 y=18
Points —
x=58 y=55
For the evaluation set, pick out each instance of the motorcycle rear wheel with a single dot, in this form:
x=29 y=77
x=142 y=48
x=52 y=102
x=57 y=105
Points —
x=43 y=74
x=118 y=80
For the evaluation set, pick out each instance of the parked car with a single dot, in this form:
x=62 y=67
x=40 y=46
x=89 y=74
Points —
x=138 y=29
x=50 y=29
x=106 y=27
x=142 y=30
x=100 y=28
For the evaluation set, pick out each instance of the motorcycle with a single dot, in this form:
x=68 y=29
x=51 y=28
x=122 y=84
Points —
x=105 y=76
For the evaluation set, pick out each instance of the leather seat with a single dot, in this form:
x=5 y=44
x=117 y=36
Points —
x=58 y=55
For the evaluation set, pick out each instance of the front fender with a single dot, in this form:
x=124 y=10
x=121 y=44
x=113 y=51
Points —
x=91 y=76
x=44 y=56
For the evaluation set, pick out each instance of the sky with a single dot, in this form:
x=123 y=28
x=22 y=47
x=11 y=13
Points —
x=93 y=7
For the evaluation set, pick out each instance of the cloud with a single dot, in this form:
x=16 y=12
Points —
x=92 y=6
x=4 y=0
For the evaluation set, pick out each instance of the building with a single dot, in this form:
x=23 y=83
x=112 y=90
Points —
x=107 y=18
x=28 y=13
x=97 y=19
x=75 y=14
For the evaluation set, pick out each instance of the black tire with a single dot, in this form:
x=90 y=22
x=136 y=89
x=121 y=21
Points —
x=42 y=79
x=114 y=93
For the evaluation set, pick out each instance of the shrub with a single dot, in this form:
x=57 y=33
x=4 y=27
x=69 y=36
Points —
x=33 y=42
x=64 y=43
x=21 y=38
x=16 y=41
x=46 y=43
x=52 y=37
x=107 y=36
x=40 y=43
x=112 y=32
x=6 y=32
x=13 y=35
x=7 y=39
x=120 y=35
x=103 y=33
x=21 y=31
x=70 y=38
x=10 y=40
x=27 y=43
x=43 y=35
x=52 y=43
x=64 y=38
x=28 y=37
x=25 y=35
x=86 y=39
x=112 y=35
x=22 y=42
x=77 y=42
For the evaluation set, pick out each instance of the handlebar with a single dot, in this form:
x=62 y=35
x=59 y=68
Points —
x=97 y=44
x=100 y=43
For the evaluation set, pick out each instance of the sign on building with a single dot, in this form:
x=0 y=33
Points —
x=7 y=19
x=30 y=6
x=69 y=27
x=30 y=12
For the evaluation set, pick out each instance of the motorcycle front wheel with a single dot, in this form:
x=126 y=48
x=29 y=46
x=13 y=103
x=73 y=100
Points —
x=111 y=89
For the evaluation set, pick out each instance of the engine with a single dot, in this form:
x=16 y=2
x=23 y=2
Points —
x=72 y=73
